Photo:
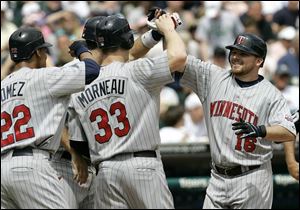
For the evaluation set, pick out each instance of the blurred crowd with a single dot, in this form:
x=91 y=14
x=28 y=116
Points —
x=208 y=26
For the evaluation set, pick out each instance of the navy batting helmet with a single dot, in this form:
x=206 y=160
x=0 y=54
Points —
x=24 y=42
x=89 y=30
x=114 y=32
x=251 y=44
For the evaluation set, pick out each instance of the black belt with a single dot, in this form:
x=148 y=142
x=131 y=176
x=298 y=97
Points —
x=147 y=153
x=66 y=155
x=235 y=171
x=26 y=151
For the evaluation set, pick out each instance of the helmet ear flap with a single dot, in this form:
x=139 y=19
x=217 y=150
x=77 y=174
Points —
x=127 y=41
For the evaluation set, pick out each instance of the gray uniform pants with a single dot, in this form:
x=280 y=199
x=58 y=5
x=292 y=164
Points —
x=253 y=190
x=84 y=194
x=132 y=182
x=31 y=182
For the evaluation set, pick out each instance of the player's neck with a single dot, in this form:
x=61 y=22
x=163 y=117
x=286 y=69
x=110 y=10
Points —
x=30 y=64
x=116 y=56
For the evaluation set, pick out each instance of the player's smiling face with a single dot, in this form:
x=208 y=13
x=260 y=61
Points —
x=243 y=63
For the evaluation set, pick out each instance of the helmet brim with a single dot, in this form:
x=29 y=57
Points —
x=45 y=45
x=242 y=48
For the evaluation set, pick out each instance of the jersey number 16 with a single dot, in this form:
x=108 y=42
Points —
x=249 y=144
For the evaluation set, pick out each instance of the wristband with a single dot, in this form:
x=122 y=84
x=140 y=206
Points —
x=148 y=40
x=80 y=50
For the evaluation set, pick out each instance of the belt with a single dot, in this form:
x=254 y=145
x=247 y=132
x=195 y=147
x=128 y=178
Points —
x=26 y=151
x=147 y=153
x=235 y=171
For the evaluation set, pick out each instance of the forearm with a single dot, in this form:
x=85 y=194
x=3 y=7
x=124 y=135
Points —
x=65 y=141
x=279 y=134
x=289 y=150
x=138 y=50
x=176 y=50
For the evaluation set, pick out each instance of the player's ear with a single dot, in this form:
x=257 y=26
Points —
x=39 y=52
x=259 y=61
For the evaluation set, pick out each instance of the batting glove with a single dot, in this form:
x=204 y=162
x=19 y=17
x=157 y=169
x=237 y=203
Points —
x=249 y=130
x=78 y=47
x=156 y=12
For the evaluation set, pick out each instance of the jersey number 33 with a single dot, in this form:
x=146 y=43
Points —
x=104 y=123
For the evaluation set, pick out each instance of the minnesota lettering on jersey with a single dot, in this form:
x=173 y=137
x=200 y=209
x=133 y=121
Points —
x=15 y=89
x=232 y=111
x=103 y=89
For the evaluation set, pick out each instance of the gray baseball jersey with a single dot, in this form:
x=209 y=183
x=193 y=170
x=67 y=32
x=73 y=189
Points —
x=33 y=107
x=225 y=102
x=119 y=112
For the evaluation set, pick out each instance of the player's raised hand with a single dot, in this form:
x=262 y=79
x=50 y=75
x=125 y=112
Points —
x=156 y=12
x=248 y=129
x=164 y=23
x=78 y=47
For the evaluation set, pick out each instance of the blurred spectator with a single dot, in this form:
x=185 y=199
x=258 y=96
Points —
x=187 y=17
x=236 y=7
x=287 y=16
x=7 y=67
x=105 y=8
x=278 y=49
x=168 y=97
x=254 y=21
x=80 y=8
x=51 y=7
x=216 y=29
x=7 y=28
x=67 y=28
x=220 y=58
x=290 y=92
x=136 y=13
x=174 y=131
x=270 y=7
x=194 y=118
x=291 y=60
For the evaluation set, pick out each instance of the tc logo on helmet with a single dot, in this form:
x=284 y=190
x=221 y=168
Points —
x=240 y=40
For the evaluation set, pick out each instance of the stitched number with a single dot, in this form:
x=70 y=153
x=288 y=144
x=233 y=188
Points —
x=121 y=118
x=249 y=144
x=19 y=111
x=116 y=109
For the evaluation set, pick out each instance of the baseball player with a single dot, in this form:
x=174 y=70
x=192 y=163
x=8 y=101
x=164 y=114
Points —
x=77 y=172
x=119 y=114
x=72 y=160
x=243 y=112
x=33 y=106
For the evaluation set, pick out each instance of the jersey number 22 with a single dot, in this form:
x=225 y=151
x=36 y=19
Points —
x=17 y=135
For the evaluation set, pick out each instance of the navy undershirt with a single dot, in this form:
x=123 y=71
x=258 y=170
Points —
x=243 y=84
x=92 y=70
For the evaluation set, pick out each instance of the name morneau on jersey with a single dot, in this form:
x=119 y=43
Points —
x=102 y=89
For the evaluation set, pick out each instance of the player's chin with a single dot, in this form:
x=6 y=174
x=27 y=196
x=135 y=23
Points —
x=236 y=69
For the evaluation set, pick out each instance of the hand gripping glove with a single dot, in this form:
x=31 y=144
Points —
x=249 y=129
x=156 y=12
